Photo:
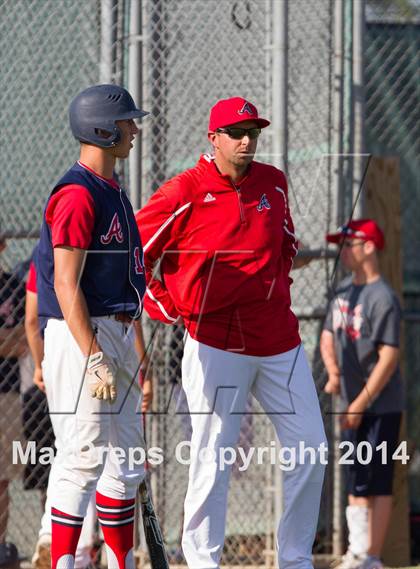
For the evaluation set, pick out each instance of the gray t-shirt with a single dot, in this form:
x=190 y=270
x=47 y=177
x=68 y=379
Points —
x=361 y=317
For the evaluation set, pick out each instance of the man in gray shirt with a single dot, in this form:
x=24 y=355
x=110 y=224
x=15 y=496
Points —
x=360 y=350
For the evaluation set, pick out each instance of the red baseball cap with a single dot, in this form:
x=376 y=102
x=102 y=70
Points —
x=365 y=229
x=232 y=111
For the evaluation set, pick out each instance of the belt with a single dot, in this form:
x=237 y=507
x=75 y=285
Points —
x=123 y=317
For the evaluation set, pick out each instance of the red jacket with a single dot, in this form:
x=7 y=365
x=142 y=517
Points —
x=226 y=252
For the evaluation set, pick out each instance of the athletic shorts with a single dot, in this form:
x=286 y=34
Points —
x=372 y=476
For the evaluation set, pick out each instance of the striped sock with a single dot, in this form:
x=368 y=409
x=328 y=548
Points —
x=117 y=521
x=65 y=534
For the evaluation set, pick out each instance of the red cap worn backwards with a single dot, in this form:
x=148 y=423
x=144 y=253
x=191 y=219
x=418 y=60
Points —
x=231 y=111
x=365 y=229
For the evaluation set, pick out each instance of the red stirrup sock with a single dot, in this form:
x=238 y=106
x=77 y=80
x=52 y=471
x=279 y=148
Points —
x=117 y=522
x=66 y=530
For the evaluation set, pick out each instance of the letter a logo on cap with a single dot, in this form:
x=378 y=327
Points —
x=246 y=108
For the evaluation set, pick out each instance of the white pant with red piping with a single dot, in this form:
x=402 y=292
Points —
x=93 y=438
x=217 y=384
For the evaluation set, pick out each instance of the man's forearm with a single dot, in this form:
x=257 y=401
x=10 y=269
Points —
x=139 y=339
x=378 y=379
x=36 y=345
x=33 y=336
x=74 y=308
x=328 y=353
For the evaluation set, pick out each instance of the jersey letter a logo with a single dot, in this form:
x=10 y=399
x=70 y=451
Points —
x=264 y=203
x=114 y=230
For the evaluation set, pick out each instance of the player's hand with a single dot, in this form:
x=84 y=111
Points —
x=100 y=375
x=333 y=384
x=38 y=379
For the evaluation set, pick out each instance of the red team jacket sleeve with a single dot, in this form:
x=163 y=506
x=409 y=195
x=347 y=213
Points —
x=71 y=216
x=156 y=222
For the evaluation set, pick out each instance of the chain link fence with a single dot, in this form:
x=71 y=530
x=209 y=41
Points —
x=192 y=53
x=180 y=83
x=392 y=79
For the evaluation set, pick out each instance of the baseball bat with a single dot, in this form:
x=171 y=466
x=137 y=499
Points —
x=152 y=531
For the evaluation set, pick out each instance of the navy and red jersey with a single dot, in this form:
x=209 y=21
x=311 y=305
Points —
x=226 y=251
x=89 y=212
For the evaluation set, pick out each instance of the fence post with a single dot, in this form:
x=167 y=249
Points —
x=279 y=147
x=107 y=40
x=134 y=86
x=358 y=100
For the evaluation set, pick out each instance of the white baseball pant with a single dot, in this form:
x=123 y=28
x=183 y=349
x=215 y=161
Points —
x=217 y=383
x=94 y=439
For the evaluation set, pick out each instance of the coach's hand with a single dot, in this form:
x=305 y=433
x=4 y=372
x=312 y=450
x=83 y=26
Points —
x=100 y=375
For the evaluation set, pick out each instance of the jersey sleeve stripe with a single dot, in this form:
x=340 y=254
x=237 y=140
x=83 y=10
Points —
x=165 y=224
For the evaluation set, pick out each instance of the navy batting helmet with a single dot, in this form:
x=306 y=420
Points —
x=95 y=111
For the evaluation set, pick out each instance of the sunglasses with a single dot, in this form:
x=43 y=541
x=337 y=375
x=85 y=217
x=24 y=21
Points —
x=237 y=133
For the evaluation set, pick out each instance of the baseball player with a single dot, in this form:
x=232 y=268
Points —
x=39 y=417
x=360 y=349
x=90 y=283
x=40 y=429
x=225 y=238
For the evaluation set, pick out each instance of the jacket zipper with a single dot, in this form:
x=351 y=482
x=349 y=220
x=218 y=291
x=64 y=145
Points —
x=241 y=207
x=140 y=309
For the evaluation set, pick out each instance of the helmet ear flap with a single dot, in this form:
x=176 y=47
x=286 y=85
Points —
x=108 y=138
x=117 y=136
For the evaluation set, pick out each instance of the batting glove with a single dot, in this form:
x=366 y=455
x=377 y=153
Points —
x=100 y=377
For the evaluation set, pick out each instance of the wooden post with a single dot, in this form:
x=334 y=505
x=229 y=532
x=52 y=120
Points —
x=382 y=203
